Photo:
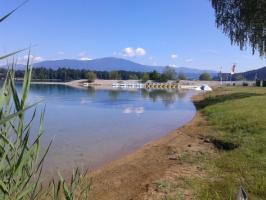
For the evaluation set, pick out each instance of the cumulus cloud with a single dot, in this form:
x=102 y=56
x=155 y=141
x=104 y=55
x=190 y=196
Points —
x=132 y=52
x=172 y=65
x=32 y=58
x=129 y=52
x=140 y=52
x=174 y=56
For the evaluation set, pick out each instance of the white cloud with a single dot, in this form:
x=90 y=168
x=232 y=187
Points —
x=32 y=58
x=38 y=59
x=189 y=60
x=84 y=58
x=174 y=56
x=140 y=52
x=28 y=56
x=131 y=52
x=172 y=65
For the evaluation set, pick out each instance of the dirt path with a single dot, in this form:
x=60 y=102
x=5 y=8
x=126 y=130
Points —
x=160 y=170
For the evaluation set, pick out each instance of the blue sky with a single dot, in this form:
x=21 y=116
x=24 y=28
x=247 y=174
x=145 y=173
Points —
x=153 y=32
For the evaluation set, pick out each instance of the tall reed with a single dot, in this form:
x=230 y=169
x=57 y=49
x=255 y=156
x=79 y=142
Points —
x=21 y=162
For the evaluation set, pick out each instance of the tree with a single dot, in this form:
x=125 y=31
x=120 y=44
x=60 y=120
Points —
x=114 y=75
x=244 y=21
x=169 y=73
x=91 y=76
x=154 y=75
x=181 y=76
x=205 y=77
x=145 y=77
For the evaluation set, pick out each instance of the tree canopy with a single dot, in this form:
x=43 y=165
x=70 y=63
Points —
x=91 y=76
x=244 y=21
x=181 y=76
x=169 y=73
x=205 y=77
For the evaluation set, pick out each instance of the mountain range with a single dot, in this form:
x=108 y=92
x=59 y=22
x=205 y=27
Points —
x=112 y=63
x=116 y=64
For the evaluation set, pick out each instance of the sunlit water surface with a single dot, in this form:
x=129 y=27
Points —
x=91 y=126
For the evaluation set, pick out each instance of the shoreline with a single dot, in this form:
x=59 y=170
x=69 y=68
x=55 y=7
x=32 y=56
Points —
x=134 y=176
x=101 y=83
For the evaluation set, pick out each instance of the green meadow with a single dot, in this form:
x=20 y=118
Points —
x=237 y=117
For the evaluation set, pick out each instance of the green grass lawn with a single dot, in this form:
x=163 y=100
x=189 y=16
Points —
x=237 y=116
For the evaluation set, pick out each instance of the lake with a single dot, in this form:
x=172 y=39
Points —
x=92 y=127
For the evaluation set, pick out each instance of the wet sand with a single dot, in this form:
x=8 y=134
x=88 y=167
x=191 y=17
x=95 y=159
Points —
x=135 y=176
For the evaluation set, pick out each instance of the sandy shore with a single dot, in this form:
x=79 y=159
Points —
x=138 y=175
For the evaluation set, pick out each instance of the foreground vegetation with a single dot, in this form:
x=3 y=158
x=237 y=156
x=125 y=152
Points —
x=237 y=116
x=21 y=161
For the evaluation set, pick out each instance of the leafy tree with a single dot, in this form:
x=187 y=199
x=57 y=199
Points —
x=145 y=77
x=205 y=77
x=181 y=76
x=154 y=75
x=169 y=73
x=244 y=21
x=114 y=75
x=91 y=76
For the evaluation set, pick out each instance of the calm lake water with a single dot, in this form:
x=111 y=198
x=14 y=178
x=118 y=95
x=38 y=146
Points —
x=91 y=126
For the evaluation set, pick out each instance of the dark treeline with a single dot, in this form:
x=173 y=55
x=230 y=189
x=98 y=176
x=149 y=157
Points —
x=67 y=74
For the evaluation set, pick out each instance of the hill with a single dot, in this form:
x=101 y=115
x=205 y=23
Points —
x=248 y=75
x=112 y=63
x=253 y=74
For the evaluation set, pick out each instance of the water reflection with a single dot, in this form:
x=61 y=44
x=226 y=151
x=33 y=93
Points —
x=134 y=110
x=91 y=91
x=97 y=125
x=168 y=97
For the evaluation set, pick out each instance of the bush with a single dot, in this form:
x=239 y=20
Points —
x=205 y=77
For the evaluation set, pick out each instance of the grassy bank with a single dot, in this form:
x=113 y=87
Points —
x=237 y=119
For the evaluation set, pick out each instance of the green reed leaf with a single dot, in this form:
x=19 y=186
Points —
x=11 y=12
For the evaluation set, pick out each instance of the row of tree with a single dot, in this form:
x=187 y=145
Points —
x=66 y=74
